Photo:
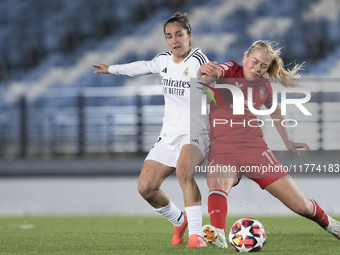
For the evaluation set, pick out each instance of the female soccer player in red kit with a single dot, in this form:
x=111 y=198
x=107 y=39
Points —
x=237 y=146
x=175 y=150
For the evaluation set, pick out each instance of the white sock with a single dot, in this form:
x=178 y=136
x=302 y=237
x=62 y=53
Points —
x=329 y=227
x=194 y=214
x=172 y=213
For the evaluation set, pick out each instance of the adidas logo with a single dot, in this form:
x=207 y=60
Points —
x=195 y=140
x=165 y=70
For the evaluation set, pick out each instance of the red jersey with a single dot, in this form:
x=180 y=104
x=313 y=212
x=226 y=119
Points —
x=231 y=129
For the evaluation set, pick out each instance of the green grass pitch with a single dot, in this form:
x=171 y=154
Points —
x=147 y=235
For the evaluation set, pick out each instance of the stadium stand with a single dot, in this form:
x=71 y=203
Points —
x=62 y=39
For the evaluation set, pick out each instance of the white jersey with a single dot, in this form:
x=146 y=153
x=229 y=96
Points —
x=177 y=88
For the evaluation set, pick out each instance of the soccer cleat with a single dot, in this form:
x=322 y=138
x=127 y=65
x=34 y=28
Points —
x=334 y=227
x=196 y=241
x=179 y=232
x=215 y=236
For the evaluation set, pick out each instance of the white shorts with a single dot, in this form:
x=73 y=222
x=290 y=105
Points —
x=166 y=151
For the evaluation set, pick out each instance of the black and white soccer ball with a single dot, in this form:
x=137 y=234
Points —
x=247 y=235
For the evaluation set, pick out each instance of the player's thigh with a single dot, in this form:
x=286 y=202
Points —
x=223 y=169
x=260 y=165
x=190 y=156
x=153 y=174
x=193 y=149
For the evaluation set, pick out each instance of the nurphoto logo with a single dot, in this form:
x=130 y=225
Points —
x=239 y=102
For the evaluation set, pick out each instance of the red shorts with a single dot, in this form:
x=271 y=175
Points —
x=257 y=163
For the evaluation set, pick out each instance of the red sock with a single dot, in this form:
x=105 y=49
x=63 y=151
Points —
x=319 y=216
x=217 y=208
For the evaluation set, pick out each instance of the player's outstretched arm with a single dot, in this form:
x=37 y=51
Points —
x=292 y=146
x=101 y=68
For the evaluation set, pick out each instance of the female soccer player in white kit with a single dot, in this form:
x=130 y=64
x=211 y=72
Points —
x=179 y=147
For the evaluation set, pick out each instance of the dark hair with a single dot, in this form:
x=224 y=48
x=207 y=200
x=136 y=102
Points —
x=182 y=19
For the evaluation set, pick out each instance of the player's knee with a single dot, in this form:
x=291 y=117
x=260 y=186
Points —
x=141 y=189
x=146 y=190
x=224 y=184
x=183 y=174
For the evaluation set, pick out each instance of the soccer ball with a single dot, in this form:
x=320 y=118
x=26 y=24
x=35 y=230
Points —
x=247 y=235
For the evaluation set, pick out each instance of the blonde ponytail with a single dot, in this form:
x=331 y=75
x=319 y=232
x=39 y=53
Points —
x=276 y=70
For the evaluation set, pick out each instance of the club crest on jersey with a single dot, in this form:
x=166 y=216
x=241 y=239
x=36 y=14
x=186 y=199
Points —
x=238 y=85
x=186 y=71
x=262 y=90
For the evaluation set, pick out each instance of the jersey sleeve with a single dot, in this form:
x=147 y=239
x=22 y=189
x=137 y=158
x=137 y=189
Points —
x=228 y=69
x=136 y=68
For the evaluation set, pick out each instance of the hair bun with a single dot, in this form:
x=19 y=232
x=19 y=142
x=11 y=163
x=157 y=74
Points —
x=182 y=19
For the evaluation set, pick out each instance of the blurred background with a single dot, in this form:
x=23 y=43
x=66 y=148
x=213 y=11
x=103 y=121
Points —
x=74 y=142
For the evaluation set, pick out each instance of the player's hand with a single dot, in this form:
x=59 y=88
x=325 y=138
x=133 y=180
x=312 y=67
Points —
x=292 y=146
x=210 y=69
x=207 y=79
x=101 y=68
